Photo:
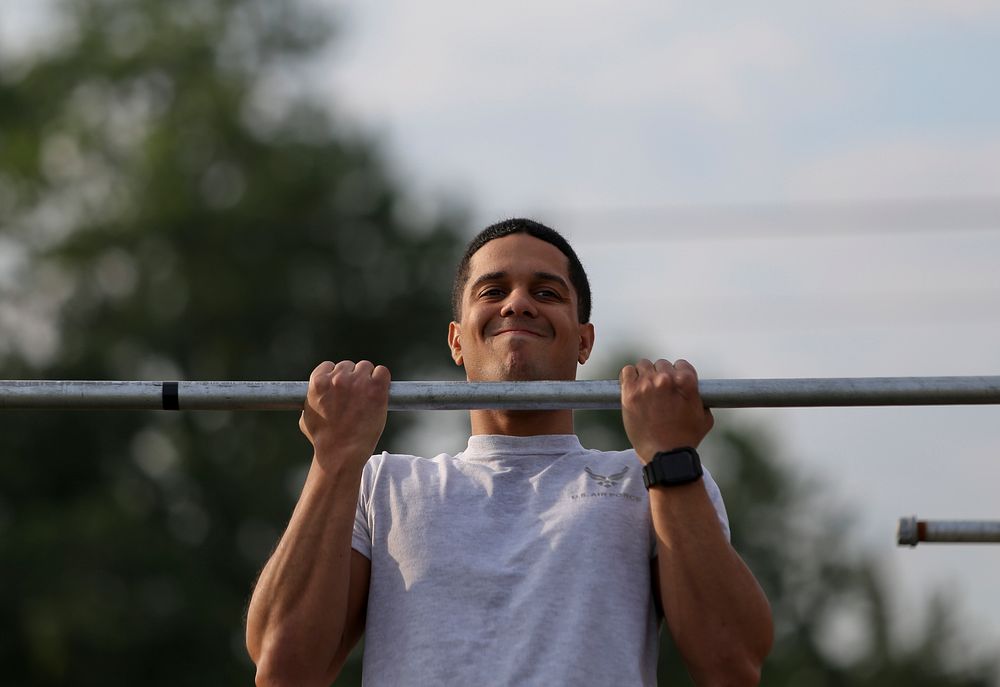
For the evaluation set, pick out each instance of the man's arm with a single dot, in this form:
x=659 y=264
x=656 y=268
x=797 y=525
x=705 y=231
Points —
x=308 y=608
x=717 y=613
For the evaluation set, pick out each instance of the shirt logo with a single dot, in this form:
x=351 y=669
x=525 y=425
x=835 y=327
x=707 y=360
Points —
x=606 y=481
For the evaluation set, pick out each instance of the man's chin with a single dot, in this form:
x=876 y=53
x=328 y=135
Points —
x=520 y=371
x=521 y=375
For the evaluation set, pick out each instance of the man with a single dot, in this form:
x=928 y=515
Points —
x=526 y=559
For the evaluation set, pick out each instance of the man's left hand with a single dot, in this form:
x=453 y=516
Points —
x=661 y=407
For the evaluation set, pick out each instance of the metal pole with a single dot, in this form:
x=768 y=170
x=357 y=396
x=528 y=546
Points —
x=537 y=395
x=912 y=531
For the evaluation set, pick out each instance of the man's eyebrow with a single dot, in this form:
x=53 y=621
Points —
x=496 y=276
x=548 y=276
x=489 y=276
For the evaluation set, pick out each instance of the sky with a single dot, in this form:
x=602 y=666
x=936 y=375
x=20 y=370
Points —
x=768 y=190
x=777 y=190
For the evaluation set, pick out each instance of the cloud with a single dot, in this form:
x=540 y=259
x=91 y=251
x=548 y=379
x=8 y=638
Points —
x=716 y=72
x=443 y=55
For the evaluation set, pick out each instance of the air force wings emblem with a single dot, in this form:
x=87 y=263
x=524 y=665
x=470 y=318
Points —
x=606 y=481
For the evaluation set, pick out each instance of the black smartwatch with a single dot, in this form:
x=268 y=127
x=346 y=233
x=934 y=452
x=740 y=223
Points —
x=672 y=468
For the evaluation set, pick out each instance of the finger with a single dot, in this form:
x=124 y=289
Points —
x=662 y=365
x=324 y=368
x=627 y=378
x=686 y=378
x=344 y=366
x=319 y=380
x=644 y=366
x=682 y=364
x=364 y=368
x=381 y=374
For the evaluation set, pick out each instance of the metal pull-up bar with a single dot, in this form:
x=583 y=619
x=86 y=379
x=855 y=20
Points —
x=912 y=531
x=535 y=395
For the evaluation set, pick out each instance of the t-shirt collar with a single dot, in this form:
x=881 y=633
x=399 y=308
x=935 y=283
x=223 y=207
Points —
x=485 y=446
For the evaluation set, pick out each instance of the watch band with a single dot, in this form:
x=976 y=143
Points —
x=672 y=468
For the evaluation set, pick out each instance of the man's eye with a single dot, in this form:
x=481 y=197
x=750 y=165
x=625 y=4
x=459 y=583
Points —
x=491 y=292
x=548 y=293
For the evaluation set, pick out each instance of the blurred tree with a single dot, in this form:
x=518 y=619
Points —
x=171 y=208
x=829 y=599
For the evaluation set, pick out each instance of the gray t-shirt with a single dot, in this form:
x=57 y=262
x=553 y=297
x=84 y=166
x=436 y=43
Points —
x=519 y=561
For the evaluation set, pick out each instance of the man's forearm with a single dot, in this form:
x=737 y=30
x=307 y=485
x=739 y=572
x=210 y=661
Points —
x=716 y=611
x=298 y=611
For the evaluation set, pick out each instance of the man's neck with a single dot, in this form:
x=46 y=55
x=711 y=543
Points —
x=522 y=423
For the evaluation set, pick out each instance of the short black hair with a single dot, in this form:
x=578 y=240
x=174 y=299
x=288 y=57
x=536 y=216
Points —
x=577 y=275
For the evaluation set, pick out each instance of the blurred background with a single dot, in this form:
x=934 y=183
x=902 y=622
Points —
x=237 y=189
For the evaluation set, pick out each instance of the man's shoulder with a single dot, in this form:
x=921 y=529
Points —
x=390 y=460
x=616 y=456
x=394 y=468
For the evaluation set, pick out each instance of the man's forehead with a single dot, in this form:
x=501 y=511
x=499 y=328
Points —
x=518 y=253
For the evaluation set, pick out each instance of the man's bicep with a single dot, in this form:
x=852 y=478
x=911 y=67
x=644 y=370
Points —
x=357 y=609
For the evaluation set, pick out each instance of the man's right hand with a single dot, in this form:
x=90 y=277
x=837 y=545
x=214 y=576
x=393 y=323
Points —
x=345 y=409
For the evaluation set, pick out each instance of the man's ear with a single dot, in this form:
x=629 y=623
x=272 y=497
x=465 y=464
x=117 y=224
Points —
x=586 y=342
x=455 y=342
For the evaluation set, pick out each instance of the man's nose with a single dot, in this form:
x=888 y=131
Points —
x=518 y=303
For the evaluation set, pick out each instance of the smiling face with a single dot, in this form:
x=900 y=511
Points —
x=519 y=314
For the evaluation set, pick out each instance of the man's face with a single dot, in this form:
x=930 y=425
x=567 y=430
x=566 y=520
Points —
x=519 y=314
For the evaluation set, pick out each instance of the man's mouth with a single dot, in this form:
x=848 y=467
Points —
x=515 y=330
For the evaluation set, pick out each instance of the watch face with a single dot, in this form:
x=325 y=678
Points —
x=681 y=466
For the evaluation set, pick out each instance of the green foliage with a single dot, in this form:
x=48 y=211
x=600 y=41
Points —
x=167 y=213
x=829 y=599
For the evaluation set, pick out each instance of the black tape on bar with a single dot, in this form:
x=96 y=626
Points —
x=171 y=401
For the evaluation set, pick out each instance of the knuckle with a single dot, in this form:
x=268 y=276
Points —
x=321 y=369
x=340 y=380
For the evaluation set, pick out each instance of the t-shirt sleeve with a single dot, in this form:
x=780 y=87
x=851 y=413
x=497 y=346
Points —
x=716 y=496
x=361 y=539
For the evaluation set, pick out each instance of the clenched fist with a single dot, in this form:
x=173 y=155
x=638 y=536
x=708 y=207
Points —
x=661 y=407
x=346 y=408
